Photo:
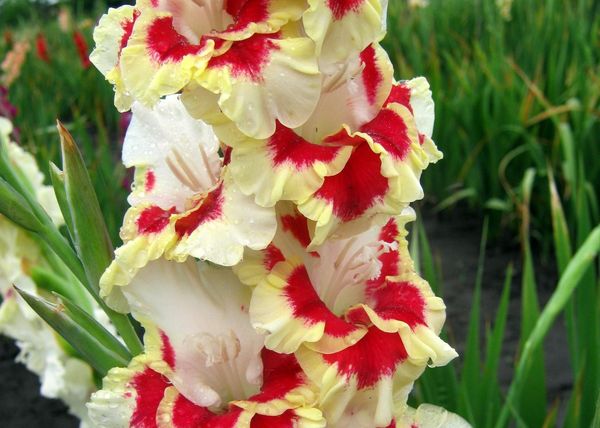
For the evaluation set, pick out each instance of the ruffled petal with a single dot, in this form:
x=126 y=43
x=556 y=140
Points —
x=411 y=309
x=147 y=232
x=335 y=203
x=374 y=374
x=290 y=241
x=284 y=387
x=260 y=17
x=176 y=411
x=284 y=167
x=293 y=418
x=203 y=364
x=129 y=396
x=429 y=416
x=256 y=78
x=158 y=60
x=256 y=265
x=343 y=27
x=415 y=95
x=231 y=19
x=284 y=400
x=111 y=35
x=287 y=307
x=221 y=224
x=384 y=169
x=334 y=304
x=302 y=295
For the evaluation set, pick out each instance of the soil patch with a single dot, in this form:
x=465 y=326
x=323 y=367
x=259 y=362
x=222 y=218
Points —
x=21 y=405
x=455 y=239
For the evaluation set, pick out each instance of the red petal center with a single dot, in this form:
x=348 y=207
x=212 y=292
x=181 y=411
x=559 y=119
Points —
x=339 y=8
x=272 y=255
x=376 y=355
x=287 y=419
x=389 y=130
x=127 y=26
x=153 y=220
x=247 y=58
x=371 y=75
x=285 y=146
x=306 y=304
x=209 y=208
x=246 y=12
x=164 y=43
x=150 y=387
x=357 y=187
x=400 y=301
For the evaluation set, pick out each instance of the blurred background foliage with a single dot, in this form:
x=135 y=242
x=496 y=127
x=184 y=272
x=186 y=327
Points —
x=517 y=89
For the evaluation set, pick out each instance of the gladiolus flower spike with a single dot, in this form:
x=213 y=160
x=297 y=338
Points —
x=265 y=249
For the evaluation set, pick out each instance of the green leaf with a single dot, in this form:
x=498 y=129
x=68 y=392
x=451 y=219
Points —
x=596 y=421
x=414 y=248
x=531 y=406
x=90 y=236
x=53 y=283
x=16 y=208
x=471 y=372
x=494 y=351
x=498 y=205
x=563 y=252
x=429 y=271
x=58 y=183
x=89 y=347
x=94 y=328
x=568 y=282
x=454 y=198
x=89 y=231
x=560 y=229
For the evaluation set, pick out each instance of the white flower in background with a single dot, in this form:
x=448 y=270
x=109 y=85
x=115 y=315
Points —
x=61 y=374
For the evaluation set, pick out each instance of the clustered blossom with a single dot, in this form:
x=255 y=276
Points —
x=265 y=249
x=62 y=374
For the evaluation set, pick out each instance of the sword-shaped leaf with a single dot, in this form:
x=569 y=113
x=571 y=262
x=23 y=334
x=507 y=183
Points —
x=76 y=333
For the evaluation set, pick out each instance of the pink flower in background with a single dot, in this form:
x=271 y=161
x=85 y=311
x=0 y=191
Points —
x=64 y=19
x=13 y=61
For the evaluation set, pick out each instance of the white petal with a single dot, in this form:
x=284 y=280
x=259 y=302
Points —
x=181 y=153
x=422 y=104
x=203 y=310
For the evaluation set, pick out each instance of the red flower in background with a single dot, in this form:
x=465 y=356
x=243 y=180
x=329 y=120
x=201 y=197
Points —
x=82 y=48
x=41 y=46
